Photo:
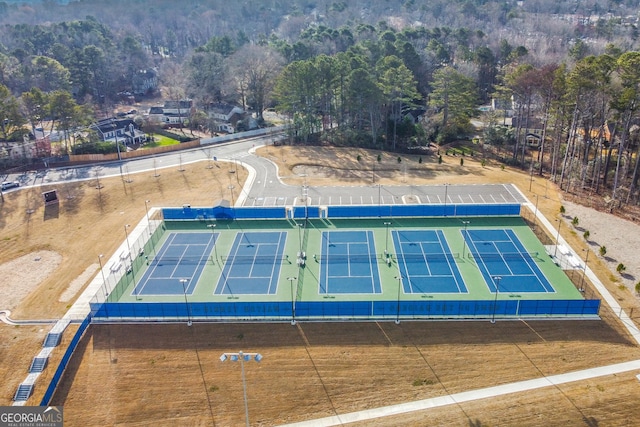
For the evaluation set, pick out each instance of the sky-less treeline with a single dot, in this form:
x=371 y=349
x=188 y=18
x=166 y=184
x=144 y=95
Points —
x=354 y=67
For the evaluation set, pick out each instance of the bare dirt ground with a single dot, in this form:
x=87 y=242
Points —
x=171 y=375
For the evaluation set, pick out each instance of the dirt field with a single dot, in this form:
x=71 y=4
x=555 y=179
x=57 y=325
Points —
x=171 y=375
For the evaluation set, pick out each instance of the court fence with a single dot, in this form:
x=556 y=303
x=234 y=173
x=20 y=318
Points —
x=188 y=213
x=64 y=362
x=344 y=310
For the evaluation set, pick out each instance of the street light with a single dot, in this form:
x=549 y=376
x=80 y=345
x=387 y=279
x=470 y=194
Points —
x=242 y=357
x=555 y=252
x=496 y=282
x=293 y=300
x=215 y=244
x=386 y=242
x=186 y=303
x=399 y=278
x=464 y=238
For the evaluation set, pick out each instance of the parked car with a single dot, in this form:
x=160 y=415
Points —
x=10 y=184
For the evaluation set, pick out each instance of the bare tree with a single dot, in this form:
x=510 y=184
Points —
x=254 y=69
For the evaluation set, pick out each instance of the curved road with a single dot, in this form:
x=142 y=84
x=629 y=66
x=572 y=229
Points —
x=266 y=189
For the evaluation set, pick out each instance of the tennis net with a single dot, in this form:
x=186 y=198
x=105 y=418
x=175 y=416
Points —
x=429 y=257
x=257 y=259
x=513 y=256
x=346 y=259
x=180 y=260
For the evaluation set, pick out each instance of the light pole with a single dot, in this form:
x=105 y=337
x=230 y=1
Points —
x=242 y=357
x=212 y=227
x=446 y=190
x=186 y=303
x=496 y=282
x=293 y=300
x=104 y=281
x=133 y=272
x=146 y=208
x=399 y=278
x=555 y=252
x=535 y=215
x=386 y=241
x=584 y=270
x=464 y=238
x=300 y=239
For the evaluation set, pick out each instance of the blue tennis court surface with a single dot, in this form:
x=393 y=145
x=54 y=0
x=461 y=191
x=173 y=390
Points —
x=499 y=253
x=348 y=263
x=426 y=263
x=182 y=256
x=253 y=264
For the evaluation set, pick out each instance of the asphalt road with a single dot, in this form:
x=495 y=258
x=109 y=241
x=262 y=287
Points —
x=267 y=190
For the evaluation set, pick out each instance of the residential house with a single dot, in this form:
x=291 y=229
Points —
x=226 y=117
x=28 y=148
x=173 y=113
x=144 y=82
x=119 y=130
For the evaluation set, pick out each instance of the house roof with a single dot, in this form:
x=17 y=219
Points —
x=182 y=104
x=222 y=108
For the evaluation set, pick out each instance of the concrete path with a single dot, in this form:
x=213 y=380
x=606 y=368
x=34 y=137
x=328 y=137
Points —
x=467 y=396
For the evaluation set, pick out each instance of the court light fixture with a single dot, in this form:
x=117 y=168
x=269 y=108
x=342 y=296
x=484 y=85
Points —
x=242 y=357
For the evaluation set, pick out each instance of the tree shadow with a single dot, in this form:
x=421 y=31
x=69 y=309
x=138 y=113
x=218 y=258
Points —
x=628 y=276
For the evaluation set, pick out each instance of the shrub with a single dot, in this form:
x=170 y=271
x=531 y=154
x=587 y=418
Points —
x=638 y=288
x=575 y=221
x=461 y=161
x=359 y=158
x=621 y=268
x=483 y=163
x=379 y=158
x=399 y=159
x=440 y=159
x=603 y=250
x=586 y=235
x=562 y=209
x=420 y=159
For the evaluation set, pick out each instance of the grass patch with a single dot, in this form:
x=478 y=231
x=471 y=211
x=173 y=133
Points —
x=160 y=141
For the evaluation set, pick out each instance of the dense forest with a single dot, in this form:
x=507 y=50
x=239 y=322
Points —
x=381 y=74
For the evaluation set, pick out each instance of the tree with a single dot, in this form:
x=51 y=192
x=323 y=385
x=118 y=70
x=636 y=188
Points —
x=626 y=102
x=455 y=96
x=205 y=78
x=603 y=250
x=253 y=69
x=10 y=116
x=398 y=87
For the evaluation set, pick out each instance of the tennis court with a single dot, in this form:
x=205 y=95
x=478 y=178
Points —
x=348 y=263
x=253 y=264
x=177 y=266
x=504 y=262
x=340 y=268
x=426 y=263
